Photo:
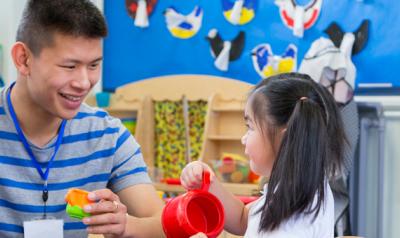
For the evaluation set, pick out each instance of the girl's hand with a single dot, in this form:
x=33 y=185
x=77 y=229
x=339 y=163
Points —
x=199 y=235
x=108 y=215
x=192 y=175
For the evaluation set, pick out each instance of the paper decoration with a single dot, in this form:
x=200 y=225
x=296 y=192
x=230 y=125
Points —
x=182 y=26
x=239 y=12
x=332 y=66
x=140 y=10
x=225 y=51
x=299 y=18
x=267 y=64
x=336 y=34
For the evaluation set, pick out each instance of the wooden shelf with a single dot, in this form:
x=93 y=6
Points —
x=235 y=188
x=227 y=109
x=224 y=129
x=244 y=189
x=224 y=137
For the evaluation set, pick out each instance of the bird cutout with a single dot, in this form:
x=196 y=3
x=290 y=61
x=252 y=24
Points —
x=239 y=12
x=336 y=34
x=182 y=26
x=225 y=51
x=140 y=10
x=267 y=64
x=332 y=66
x=299 y=18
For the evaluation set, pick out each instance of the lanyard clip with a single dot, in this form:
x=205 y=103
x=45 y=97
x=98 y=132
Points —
x=45 y=194
x=45 y=197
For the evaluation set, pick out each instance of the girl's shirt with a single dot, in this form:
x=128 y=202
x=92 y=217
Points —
x=298 y=226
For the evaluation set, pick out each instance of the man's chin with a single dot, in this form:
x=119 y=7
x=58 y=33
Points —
x=69 y=115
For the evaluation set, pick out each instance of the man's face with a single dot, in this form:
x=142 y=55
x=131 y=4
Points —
x=62 y=75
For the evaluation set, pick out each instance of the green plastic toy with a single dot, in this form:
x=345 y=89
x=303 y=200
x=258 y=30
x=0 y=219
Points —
x=77 y=199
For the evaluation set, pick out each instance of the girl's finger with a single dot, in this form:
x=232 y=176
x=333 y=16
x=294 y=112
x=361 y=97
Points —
x=198 y=171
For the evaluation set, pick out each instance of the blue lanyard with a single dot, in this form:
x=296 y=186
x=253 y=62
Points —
x=22 y=138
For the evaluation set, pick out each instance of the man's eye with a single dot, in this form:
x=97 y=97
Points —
x=68 y=66
x=93 y=66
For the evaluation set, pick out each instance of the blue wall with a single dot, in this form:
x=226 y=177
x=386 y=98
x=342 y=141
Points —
x=132 y=53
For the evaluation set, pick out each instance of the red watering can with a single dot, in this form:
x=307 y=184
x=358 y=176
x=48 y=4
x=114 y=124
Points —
x=193 y=212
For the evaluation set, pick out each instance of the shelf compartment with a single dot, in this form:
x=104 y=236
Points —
x=225 y=137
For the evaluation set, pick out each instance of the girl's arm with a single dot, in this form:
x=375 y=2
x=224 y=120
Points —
x=235 y=212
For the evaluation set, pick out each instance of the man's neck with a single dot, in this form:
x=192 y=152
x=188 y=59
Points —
x=38 y=126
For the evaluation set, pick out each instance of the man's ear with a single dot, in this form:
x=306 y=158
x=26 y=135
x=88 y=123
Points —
x=21 y=55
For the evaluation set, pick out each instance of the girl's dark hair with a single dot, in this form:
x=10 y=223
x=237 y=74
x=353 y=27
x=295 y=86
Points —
x=311 y=148
x=42 y=18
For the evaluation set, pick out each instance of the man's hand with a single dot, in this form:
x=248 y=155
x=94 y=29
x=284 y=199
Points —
x=108 y=215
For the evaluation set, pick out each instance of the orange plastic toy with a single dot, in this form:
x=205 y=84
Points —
x=77 y=199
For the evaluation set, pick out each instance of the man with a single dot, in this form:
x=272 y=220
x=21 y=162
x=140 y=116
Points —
x=50 y=141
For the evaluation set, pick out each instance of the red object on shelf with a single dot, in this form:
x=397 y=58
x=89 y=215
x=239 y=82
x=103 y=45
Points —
x=253 y=177
x=247 y=199
x=172 y=181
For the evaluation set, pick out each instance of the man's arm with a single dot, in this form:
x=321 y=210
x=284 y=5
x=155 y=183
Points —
x=144 y=207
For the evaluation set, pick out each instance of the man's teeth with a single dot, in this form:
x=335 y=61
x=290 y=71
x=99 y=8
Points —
x=72 y=98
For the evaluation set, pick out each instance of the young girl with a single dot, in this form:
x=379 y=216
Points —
x=295 y=138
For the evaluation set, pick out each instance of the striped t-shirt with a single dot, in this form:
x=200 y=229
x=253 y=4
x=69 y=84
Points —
x=97 y=152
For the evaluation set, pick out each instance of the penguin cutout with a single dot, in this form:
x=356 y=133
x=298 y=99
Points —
x=239 y=12
x=332 y=66
x=299 y=18
x=182 y=26
x=225 y=51
x=336 y=34
x=140 y=10
x=267 y=64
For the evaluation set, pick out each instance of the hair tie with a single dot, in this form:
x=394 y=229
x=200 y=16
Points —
x=303 y=98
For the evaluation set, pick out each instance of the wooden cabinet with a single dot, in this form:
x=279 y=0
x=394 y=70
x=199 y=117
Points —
x=224 y=127
x=223 y=132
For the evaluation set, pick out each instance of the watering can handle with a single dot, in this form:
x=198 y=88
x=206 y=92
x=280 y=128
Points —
x=206 y=181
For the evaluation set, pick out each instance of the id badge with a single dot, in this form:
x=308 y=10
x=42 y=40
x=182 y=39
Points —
x=49 y=228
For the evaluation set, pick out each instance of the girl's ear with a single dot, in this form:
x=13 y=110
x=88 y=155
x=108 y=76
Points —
x=279 y=137
x=20 y=55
